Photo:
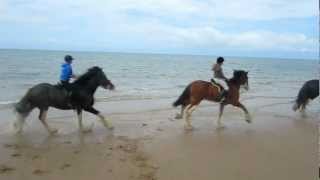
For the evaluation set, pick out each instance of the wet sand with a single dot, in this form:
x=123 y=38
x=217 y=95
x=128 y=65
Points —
x=148 y=143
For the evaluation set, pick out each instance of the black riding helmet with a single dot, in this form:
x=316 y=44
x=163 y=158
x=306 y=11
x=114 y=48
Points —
x=68 y=58
x=220 y=60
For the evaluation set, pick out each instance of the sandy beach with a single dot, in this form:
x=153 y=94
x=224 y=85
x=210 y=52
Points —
x=148 y=143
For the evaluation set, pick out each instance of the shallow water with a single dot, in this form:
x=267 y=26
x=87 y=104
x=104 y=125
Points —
x=151 y=76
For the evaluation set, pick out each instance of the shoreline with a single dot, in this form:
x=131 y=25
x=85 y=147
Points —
x=148 y=143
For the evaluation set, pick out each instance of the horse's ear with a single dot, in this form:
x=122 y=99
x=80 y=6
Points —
x=247 y=72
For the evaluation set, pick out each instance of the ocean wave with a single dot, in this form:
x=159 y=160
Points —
x=7 y=104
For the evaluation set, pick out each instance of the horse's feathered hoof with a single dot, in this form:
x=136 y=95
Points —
x=87 y=129
x=248 y=118
x=110 y=127
x=221 y=126
x=53 y=131
x=188 y=127
x=178 y=116
x=16 y=128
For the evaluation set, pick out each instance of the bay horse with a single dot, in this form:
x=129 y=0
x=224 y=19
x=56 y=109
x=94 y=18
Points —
x=309 y=90
x=44 y=95
x=199 y=90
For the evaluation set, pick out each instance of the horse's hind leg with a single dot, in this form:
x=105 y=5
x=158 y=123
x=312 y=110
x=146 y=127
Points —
x=103 y=120
x=43 y=117
x=220 y=114
x=180 y=116
x=188 y=111
x=82 y=129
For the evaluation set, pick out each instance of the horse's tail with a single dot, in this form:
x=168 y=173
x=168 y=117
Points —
x=22 y=110
x=185 y=95
x=301 y=100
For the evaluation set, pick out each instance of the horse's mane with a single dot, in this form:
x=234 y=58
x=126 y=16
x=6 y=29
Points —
x=236 y=76
x=88 y=75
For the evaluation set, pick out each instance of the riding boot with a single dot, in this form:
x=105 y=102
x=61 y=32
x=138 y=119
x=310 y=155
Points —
x=222 y=95
x=69 y=99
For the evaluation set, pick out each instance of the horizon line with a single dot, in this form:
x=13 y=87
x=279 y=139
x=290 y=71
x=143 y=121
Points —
x=162 y=53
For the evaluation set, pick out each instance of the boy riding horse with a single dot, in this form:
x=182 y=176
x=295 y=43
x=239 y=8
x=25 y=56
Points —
x=219 y=78
x=66 y=75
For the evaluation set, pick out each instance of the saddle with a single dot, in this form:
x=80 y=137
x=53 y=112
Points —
x=222 y=92
x=217 y=85
x=67 y=93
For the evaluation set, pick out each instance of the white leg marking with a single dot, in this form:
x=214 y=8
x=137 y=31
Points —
x=105 y=122
x=18 y=124
x=43 y=120
x=83 y=129
x=188 y=112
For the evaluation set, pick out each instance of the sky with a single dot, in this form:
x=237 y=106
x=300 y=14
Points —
x=254 y=28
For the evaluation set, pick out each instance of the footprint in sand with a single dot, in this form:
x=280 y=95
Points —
x=39 y=172
x=15 y=155
x=64 y=166
x=67 y=142
x=6 y=169
x=14 y=146
x=35 y=157
x=76 y=152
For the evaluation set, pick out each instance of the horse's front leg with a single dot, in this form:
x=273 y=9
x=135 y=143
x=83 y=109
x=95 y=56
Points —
x=248 y=116
x=82 y=129
x=104 y=121
x=220 y=125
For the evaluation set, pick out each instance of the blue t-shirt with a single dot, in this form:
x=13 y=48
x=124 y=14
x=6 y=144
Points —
x=66 y=72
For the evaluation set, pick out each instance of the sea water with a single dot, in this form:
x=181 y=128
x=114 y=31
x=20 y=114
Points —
x=151 y=76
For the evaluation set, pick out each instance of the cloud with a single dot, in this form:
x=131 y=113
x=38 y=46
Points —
x=229 y=9
x=210 y=37
x=170 y=23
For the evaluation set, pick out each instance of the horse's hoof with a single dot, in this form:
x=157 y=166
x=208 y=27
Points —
x=221 y=126
x=18 y=132
x=188 y=127
x=110 y=127
x=178 y=116
x=248 y=119
x=86 y=130
x=17 y=129
x=53 y=131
